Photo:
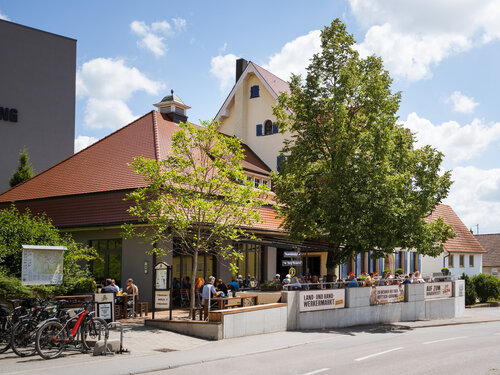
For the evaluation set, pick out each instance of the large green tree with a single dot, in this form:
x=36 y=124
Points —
x=351 y=175
x=24 y=170
x=195 y=196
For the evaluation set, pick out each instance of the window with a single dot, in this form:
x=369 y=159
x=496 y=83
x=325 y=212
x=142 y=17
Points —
x=265 y=182
x=259 y=130
x=250 y=265
x=256 y=182
x=462 y=261
x=450 y=261
x=268 y=127
x=254 y=91
x=471 y=260
x=183 y=264
x=108 y=264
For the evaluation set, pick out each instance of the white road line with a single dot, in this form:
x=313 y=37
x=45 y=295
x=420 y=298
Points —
x=449 y=339
x=376 y=354
x=316 y=371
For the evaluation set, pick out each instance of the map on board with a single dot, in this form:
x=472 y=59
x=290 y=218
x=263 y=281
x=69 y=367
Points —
x=42 y=265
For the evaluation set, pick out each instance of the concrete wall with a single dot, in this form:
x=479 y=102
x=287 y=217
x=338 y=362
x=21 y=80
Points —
x=37 y=71
x=358 y=310
x=255 y=322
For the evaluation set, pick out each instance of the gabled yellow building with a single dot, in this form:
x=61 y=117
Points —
x=247 y=112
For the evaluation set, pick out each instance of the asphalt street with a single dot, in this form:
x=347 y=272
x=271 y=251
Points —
x=467 y=345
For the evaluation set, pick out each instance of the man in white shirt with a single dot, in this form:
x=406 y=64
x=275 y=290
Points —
x=208 y=288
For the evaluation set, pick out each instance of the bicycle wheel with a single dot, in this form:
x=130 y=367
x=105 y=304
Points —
x=91 y=332
x=5 y=334
x=50 y=340
x=23 y=338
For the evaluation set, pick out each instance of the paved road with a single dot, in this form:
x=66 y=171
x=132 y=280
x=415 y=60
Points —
x=383 y=349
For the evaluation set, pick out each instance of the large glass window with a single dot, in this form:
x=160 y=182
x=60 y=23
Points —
x=108 y=264
x=250 y=265
x=183 y=266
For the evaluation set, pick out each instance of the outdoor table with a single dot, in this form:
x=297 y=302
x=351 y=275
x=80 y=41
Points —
x=221 y=305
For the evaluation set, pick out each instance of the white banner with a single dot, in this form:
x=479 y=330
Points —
x=438 y=290
x=42 y=265
x=327 y=299
x=387 y=294
x=162 y=299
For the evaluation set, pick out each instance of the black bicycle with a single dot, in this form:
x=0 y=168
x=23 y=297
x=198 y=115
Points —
x=10 y=316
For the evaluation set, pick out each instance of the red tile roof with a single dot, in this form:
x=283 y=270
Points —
x=277 y=84
x=103 y=166
x=491 y=243
x=464 y=242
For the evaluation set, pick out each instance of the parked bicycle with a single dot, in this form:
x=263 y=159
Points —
x=10 y=316
x=73 y=328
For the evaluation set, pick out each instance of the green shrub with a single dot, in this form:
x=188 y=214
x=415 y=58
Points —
x=486 y=286
x=11 y=287
x=385 y=271
x=470 y=291
x=84 y=285
x=42 y=291
x=445 y=271
x=400 y=271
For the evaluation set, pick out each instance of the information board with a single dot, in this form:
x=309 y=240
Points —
x=42 y=265
x=162 y=299
x=327 y=299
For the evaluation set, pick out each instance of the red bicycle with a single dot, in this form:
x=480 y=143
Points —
x=77 y=329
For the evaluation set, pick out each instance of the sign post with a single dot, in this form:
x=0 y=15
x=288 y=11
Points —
x=162 y=287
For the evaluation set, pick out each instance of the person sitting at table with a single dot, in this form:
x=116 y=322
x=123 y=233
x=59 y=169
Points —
x=113 y=284
x=221 y=287
x=209 y=290
x=295 y=283
x=234 y=285
x=351 y=281
x=132 y=289
x=277 y=278
x=108 y=288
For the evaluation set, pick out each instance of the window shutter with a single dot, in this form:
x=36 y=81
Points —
x=412 y=262
x=259 y=130
x=419 y=262
x=381 y=265
x=254 y=91
x=278 y=163
x=370 y=262
x=275 y=129
x=358 y=264
x=343 y=271
x=405 y=258
x=397 y=260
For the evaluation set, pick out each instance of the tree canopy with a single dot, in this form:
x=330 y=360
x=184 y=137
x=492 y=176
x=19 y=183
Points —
x=24 y=170
x=195 y=196
x=351 y=175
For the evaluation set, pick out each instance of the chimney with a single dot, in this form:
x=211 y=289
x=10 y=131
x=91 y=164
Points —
x=241 y=65
x=173 y=107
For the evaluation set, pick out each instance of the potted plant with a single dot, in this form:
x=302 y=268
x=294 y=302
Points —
x=445 y=271
x=399 y=271
x=270 y=286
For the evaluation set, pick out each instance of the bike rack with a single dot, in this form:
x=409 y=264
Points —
x=106 y=336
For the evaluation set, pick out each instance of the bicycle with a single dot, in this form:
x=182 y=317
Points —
x=9 y=317
x=24 y=331
x=55 y=334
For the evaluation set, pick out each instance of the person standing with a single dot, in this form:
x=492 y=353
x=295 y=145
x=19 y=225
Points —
x=208 y=290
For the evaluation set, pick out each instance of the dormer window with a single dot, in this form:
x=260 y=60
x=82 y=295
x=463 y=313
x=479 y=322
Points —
x=254 y=91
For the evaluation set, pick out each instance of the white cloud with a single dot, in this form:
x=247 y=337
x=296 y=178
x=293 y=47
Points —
x=457 y=142
x=108 y=84
x=413 y=36
x=3 y=16
x=83 y=141
x=153 y=36
x=295 y=56
x=180 y=23
x=223 y=68
x=475 y=197
x=462 y=103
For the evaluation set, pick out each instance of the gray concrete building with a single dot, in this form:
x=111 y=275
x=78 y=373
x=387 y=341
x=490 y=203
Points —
x=37 y=98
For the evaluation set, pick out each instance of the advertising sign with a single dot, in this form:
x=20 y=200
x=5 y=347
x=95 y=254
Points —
x=105 y=306
x=438 y=290
x=162 y=299
x=387 y=294
x=314 y=300
x=42 y=265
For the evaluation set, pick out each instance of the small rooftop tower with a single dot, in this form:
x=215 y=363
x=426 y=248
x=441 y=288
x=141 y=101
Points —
x=172 y=106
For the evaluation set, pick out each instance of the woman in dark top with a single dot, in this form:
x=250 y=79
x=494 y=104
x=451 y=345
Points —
x=222 y=287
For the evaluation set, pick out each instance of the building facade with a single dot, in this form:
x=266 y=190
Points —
x=37 y=98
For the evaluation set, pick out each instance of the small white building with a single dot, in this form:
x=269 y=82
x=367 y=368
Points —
x=463 y=254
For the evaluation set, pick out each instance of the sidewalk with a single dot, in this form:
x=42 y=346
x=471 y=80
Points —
x=471 y=316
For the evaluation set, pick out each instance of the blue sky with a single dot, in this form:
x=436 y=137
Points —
x=442 y=54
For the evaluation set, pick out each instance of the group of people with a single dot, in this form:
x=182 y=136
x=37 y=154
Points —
x=111 y=287
x=366 y=279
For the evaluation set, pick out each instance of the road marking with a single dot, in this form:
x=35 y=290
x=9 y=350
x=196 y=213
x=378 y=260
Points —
x=449 y=339
x=376 y=354
x=316 y=371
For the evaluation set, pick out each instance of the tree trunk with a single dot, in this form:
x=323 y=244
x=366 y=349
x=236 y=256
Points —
x=193 y=282
x=332 y=260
